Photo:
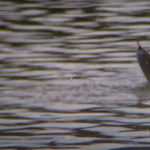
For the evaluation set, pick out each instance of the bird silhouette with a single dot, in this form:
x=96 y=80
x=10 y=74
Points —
x=143 y=58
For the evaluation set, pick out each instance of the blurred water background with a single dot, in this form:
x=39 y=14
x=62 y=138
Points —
x=69 y=77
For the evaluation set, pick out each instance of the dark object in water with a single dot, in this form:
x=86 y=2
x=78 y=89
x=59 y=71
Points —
x=143 y=58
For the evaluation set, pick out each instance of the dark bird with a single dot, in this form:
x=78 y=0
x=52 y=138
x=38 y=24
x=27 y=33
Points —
x=143 y=58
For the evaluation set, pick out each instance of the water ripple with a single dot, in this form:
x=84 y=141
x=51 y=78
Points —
x=69 y=75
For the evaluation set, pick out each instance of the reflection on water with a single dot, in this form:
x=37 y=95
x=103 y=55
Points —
x=69 y=78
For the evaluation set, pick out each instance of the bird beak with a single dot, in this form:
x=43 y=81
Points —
x=138 y=43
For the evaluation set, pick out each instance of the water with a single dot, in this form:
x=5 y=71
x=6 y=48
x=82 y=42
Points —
x=69 y=77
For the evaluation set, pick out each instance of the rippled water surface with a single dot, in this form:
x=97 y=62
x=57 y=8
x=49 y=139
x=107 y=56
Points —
x=69 y=77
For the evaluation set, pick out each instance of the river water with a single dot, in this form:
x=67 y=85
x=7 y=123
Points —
x=69 y=78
